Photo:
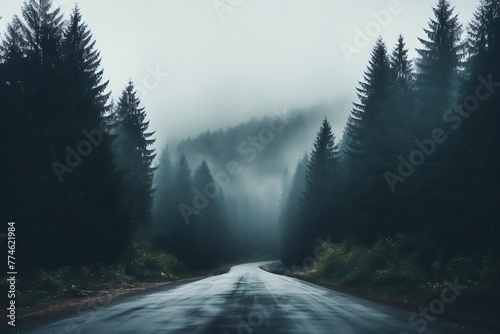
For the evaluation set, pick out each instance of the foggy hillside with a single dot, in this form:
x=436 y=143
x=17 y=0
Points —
x=224 y=151
x=263 y=147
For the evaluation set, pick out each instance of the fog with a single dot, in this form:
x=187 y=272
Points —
x=262 y=55
x=209 y=65
x=262 y=149
x=198 y=156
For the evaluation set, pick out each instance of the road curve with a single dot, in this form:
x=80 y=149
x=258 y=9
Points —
x=247 y=300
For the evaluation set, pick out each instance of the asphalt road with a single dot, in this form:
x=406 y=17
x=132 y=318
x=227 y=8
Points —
x=247 y=300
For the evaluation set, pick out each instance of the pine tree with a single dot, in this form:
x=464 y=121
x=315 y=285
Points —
x=134 y=156
x=291 y=232
x=42 y=30
x=441 y=69
x=318 y=197
x=483 y=29
x=179 y=237
x=440 y=60
x=85 y=105
x=163 y=204
x=398 y=123
x=183 y=183
x=399 y=116
x=285 y=191
x=365 y=139
x=480 y=135
x=401 y=67
x=362 y=130
x=51 y=110
x=86 y=92
x=210 y=231
x=17 y=133
x=323 y=159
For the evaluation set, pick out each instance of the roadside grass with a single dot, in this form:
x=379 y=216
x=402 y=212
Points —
x=408 y=268
x=141 y=264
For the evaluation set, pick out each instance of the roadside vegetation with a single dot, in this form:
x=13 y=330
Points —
x=141 y=264
x=409 y=199
x=407 y=269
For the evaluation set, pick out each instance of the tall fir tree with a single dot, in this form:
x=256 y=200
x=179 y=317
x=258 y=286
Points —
x=85 y=113
x=482 y=32
x=54 y=110
x=362 y=130
x=180 y=226
x=440 y=69
x=318 y=199
x=163 y=203
x=480 y=133
x=134 y=156
x=285 y=191
x=440 y=61
x=291 y=235
x=399 y=115
x=398 y=121
x=210 y=231
x=402 y=68
x=366 y=137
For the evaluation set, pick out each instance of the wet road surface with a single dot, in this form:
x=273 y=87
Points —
x=247 y=300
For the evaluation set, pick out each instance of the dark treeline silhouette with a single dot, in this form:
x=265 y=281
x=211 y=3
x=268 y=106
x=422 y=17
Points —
x=211 y=215
x=77 y=170
x=190 y=215
x=419 y=154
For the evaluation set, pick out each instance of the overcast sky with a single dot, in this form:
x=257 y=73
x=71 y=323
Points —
x=228 y=60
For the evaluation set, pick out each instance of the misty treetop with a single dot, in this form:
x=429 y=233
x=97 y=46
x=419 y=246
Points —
x=52 y=92
x=419 y=155
x=133 y=155
x=190 y=215
x=420 y=151
x=78 y=171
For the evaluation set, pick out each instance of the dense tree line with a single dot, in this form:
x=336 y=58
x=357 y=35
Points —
x=73 y=195
x=248 y=226
x=419 y=154
x=420 y=151
x=79 y=169
x=293 y=127
x=190 y=214
x=289 y=214
x=134 y=156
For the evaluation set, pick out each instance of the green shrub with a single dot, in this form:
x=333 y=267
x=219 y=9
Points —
x=408 y=266
x=144 y=262
x=388 y=266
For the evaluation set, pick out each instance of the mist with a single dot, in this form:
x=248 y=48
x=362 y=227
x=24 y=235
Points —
x=202 y=69
x=213 y=73
x=210 y=148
